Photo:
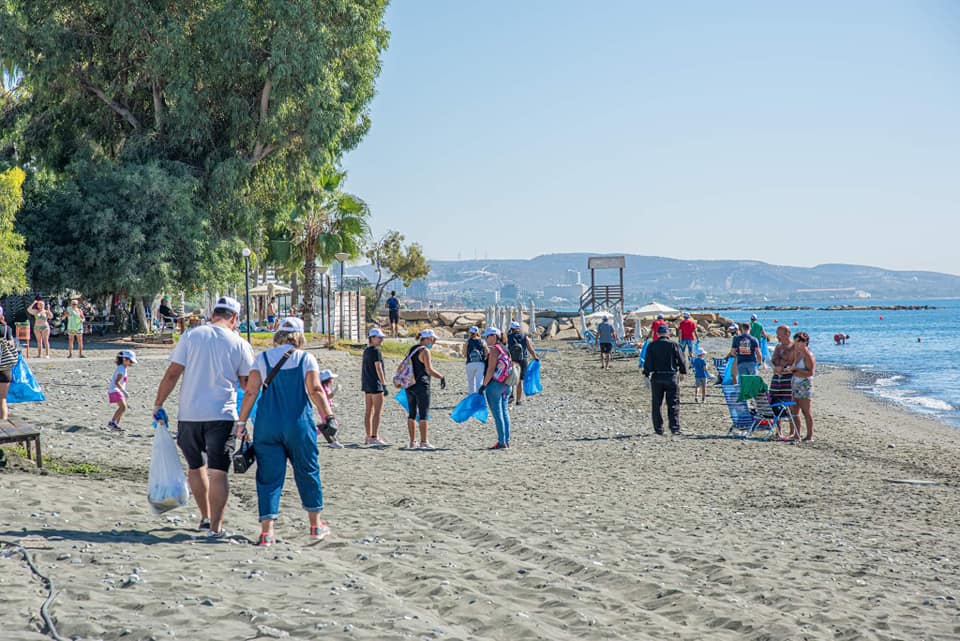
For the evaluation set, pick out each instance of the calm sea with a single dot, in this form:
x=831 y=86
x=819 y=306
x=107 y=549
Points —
x=923 y=376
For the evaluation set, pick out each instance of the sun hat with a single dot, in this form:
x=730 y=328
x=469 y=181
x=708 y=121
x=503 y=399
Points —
x=427 y=333
x=291 y=324
x=232 y=305
x=686 y=314
x=128 y=353
x=326 y=375
x=663 y=329
x=701 y=351
x=491 y=331
x=514 y=325
x=473 y=330
x=376 y=331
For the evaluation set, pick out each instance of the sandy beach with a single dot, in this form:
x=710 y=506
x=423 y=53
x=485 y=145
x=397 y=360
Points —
x=590 y=527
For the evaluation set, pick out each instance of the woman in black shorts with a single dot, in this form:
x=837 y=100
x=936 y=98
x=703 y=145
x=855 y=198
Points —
x=418 y=394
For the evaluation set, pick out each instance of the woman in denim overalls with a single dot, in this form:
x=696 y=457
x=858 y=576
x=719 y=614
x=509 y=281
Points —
x=285 y=430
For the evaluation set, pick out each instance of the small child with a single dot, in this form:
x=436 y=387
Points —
x=700 y=376
x=118 y=387
x=329 y=388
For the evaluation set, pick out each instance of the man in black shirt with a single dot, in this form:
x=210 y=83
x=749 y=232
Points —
x=664 y=365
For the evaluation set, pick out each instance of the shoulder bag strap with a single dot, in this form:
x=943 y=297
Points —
x=276 y=368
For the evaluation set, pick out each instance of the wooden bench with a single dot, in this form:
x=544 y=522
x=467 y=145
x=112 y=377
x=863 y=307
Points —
x=11 y=432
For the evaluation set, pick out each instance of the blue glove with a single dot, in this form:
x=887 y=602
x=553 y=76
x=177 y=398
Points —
x=160 y=416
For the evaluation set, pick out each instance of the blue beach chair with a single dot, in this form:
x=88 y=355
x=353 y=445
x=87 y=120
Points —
x=741 y=418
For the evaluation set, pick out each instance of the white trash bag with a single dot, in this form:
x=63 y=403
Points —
x=167 y=484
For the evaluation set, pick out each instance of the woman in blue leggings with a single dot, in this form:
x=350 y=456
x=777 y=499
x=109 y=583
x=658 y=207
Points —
x=284 y=427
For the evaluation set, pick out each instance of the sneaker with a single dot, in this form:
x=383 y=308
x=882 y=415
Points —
x=412 y=445
x=425 y=445
x=204 y=524
x=379 y=441
x=266 y=540
x=370 y=440
x=519 y=402
x=337 y=445
x=319 y=532
x=114 y=426
x=222 y=534
x=676 y=432
x=499 y=446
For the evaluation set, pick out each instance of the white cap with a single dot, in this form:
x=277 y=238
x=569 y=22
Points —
x=473 y=330
x=491 y=331
x=232 y=305
x=128 y=353
x=291 y=324
x=427 y=333
x=514 y=325
x=326 y=375
x=376 y=332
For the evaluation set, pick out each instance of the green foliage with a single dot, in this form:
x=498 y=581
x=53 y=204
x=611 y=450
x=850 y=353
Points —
x=394 y=262
x=13 y=258
x=241 y=94
x=110 y=228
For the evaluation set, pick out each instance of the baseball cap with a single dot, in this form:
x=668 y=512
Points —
x=128 y=353
x=660 y=316
x=491 y=331
x=291 y=324
x=326 y=375
x=514 y=325
x=686 y=314
x=663 y=329
x=473 y=330
x=605 y=319
x=376 y=331
x=232 y=305
x=427 y=333
x=753 y=317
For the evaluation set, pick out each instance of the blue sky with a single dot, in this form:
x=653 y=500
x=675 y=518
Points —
x=795 y=133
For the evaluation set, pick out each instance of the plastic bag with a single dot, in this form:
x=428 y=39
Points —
x=728 y=372
x=473 y=406
x=253 y=412
x=166 y=484
x=643 y=354
x=24 y=387
x=531 y=381
x=401 y=397
x=764 y=354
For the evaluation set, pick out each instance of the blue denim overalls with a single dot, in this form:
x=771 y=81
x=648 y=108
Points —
x=284 y=429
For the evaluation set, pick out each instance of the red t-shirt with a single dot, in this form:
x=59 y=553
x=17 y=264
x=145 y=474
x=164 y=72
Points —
x=688 y=328
x=653 y=328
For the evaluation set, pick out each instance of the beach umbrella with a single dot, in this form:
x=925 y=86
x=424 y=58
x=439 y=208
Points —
x=533 y=320
x=652 y=309
x=489 y=320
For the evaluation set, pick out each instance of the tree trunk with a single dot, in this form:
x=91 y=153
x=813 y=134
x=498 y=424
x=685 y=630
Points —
x=295 y=287
x=142 y=316
x=309 y=282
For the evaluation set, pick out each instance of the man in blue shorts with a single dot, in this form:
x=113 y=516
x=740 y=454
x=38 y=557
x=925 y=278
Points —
x=606 y=338
x=393 y=310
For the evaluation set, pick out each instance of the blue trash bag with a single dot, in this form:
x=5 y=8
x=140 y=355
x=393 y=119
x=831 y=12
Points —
x=728 y=371
x=401 y=397
x=531 y=380
x=764 y=354
x=643 y=354
x=253 y=412
x=473 y=406
x=696 y=347
x=24 y=387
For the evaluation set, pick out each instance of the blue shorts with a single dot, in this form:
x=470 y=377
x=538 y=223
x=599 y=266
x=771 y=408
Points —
x=686 y=344
x=699 y=382
x=747 y=367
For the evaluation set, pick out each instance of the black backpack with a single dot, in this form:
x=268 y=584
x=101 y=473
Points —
x=518 y=346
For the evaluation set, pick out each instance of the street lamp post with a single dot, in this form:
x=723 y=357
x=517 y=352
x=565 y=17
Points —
x=342 y=257
x=246 y=283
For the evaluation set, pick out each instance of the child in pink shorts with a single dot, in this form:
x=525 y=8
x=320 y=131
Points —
x=118 y=387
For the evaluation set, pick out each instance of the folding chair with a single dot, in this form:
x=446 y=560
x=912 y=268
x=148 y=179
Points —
x=741 y=418
x=721 y=366
x=769 y=413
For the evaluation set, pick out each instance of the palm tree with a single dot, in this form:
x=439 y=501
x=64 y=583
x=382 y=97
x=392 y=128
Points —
x=326 y=222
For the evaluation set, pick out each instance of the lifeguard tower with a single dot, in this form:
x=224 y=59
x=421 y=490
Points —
x=603 y=296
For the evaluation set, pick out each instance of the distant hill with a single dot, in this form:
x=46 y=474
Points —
x=646 y=276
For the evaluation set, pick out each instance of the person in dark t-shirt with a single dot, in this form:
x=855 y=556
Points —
x=373 y=382
x=393 y=310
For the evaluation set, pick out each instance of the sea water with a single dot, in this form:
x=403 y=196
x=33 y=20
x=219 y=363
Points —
x=910 y=357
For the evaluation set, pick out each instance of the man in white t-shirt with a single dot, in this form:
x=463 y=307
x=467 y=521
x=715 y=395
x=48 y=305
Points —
x=211 y=358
